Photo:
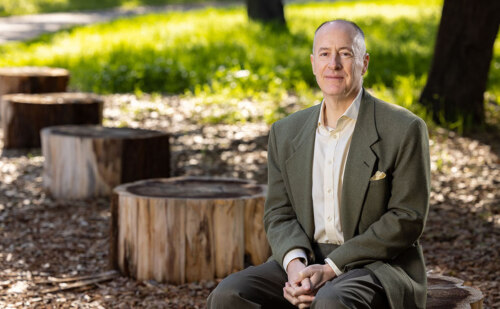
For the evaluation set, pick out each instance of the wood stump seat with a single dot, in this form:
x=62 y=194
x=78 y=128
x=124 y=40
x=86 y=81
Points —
x=187 y=229
x=24 y=115
x=33 y=80
x=445 y=292
x=89 y=161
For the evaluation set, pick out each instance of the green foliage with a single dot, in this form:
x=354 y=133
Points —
x=18 y=7
x=236 y=70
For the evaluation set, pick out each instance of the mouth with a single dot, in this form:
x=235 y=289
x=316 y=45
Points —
x=334 y=77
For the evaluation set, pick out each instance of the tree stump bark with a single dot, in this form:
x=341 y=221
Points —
x=89 y=161
x=186 y=229
x=33 y=80
x=448 y=292
x=24 y=115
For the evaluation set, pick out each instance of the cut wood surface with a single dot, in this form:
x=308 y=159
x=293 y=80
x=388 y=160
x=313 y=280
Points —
x=89 y=161
x=447 y=292
x=33 y=80
x=187 y=229
x=24 y=115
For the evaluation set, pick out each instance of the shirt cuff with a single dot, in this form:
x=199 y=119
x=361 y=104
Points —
x=336 y=270
x=294 y=254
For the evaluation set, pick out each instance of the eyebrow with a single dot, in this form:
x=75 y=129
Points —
x=341 y=48
x=346 y=47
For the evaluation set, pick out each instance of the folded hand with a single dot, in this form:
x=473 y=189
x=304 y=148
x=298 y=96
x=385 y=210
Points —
x=298 y=290
x=317 y=274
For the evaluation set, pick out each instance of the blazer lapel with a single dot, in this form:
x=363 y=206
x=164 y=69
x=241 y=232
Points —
x=359 y=166
x=299 y=171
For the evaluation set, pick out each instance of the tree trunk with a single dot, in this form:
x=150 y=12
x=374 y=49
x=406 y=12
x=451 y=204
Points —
x=448 y=292
x=462 y=56
x=24 y=115
x=266 y=10
x=185 y=229
x=89 y=161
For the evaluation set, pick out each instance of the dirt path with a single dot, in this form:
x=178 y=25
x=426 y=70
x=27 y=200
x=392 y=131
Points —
x=25 y=27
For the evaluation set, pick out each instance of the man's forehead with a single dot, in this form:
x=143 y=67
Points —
x=337 y=26
x=337 y=32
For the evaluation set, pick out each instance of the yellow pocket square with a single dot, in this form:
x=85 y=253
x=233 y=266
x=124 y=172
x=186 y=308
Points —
x=378 y=175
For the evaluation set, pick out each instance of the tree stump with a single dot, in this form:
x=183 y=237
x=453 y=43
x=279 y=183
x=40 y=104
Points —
x=24 y=115
x=448 y=292
x=186 y=229
x=89 y=161
x=33 y=80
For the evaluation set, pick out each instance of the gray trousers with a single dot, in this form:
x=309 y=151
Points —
x=262 y=287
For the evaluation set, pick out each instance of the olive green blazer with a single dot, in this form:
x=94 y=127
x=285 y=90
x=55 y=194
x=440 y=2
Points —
x=382 y=220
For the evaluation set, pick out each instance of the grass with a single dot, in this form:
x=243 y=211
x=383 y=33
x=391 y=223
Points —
x=19 y=7
x=236 y=70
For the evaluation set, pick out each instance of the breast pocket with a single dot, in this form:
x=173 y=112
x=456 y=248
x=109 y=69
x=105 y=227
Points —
x=375 y=204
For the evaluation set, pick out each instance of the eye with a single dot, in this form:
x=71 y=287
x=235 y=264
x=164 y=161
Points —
x=346 y=54
x=323 y=54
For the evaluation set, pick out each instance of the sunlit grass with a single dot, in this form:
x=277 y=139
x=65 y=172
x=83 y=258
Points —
x=19 y=7
x=237 y=70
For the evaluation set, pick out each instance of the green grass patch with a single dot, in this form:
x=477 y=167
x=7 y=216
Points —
x=236 y=70
x=20 y=7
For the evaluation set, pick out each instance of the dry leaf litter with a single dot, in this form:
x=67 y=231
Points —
x=54 y=254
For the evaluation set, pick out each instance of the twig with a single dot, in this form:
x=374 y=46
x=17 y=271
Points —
x=63 y=286
x=79 y=278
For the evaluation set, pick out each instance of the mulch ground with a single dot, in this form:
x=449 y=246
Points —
x=44 y=241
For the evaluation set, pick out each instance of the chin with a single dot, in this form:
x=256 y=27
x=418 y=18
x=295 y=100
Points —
x=335 y=93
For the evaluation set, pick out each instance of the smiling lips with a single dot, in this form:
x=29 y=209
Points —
x=334 y=77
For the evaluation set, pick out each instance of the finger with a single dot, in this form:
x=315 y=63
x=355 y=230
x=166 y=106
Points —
x=289 y=290
x=305 y=301
x=297 y=291
x=306 y=284
x=294 y=301
x=306 y=298
x=292 y=288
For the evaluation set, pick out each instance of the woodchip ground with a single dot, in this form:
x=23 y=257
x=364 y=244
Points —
x=43 y=240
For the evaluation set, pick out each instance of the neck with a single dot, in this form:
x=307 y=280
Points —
x=335 y=107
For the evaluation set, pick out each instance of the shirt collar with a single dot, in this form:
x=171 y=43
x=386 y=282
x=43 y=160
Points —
x=351 y=112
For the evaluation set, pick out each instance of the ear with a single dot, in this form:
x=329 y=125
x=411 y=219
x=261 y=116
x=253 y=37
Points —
x=312 y=64
x=366 y=60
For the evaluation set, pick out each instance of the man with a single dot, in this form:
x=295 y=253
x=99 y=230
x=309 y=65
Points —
x=349 y=184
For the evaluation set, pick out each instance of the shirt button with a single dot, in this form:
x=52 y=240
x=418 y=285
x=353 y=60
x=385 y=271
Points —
x=329 y=219
x=329 y=190
x=329 y=161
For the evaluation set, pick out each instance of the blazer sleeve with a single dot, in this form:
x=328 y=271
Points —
x=283 y=230
x=403 y=222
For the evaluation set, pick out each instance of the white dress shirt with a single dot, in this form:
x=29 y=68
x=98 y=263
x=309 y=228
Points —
x=331 y=148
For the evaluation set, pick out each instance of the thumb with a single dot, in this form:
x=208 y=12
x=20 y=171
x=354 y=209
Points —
x=304 y=273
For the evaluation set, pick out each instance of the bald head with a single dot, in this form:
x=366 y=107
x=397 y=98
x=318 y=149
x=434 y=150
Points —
x=358 y=36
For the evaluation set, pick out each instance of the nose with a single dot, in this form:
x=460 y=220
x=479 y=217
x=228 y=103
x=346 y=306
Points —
x=334 y=62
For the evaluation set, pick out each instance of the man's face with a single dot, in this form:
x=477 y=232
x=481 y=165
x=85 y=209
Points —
x=339 y=60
